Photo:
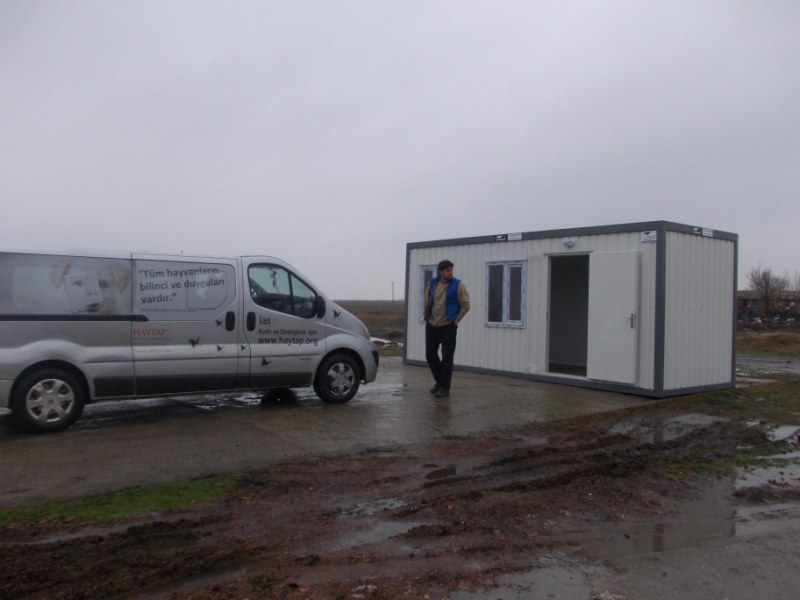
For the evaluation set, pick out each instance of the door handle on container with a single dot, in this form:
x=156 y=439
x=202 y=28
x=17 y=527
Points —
x=633 y=320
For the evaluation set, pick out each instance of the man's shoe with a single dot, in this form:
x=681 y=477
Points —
x=435 y=388
x=442 y=393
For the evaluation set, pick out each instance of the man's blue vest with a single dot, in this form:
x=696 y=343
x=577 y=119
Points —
x=451 y=297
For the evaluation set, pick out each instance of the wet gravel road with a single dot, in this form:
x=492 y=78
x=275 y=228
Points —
x=121 y=444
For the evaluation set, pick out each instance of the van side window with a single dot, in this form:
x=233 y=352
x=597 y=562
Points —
x=274 y=288
x=182 y=290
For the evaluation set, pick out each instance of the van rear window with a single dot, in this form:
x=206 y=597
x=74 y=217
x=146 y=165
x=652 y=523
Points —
x=38 y=284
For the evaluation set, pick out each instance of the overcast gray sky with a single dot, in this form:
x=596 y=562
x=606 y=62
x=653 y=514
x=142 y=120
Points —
x=332 y=133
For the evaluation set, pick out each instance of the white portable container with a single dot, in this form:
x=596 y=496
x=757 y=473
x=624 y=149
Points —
x=80 y=327
x=644 y=308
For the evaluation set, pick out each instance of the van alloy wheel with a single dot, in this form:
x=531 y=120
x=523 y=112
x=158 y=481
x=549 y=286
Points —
x=48 y=400
x=337 y=379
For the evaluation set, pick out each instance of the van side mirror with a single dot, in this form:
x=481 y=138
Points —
x=320 y=307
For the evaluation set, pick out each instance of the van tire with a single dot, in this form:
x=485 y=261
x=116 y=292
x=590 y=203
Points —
x=48 y=401
x=338 y=378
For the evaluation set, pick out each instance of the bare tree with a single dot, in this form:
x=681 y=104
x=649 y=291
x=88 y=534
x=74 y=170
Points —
x=767 y=286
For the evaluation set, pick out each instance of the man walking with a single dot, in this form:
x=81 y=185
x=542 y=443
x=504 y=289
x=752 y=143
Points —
x=446 y=303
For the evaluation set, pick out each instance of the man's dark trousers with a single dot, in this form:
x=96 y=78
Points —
x=445 y=336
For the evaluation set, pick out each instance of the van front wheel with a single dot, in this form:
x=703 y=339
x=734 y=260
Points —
x=337 y=379
x=47 y=401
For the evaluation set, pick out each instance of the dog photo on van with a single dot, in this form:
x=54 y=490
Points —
x=92 y=286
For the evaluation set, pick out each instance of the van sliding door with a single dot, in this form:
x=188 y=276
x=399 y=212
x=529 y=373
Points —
x=188 y=342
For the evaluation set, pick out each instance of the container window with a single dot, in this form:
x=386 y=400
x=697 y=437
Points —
x=505 y=294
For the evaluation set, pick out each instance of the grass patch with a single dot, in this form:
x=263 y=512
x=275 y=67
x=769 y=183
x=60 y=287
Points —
x=777 y=403
x=783 y=344
x=739 y=448
x=129 y=502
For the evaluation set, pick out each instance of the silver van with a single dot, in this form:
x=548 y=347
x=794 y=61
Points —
x=84 y=327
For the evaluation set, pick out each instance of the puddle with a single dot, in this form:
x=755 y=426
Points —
x=784 y=433
x=784 y=473
x=714 y=515
x=232 y=402
x=379 y=532
x=743 y=381
x=101 y=531
x=748 y=365
x=152 y=409
x=664 y=429
x=381 y=395
x=162 y=591
x=83 y=534
x=783 y=470
x=370 y=508
x=753 y=521
x=441 y=473
x=711 y=516
x=545 y=582
x=536 y=440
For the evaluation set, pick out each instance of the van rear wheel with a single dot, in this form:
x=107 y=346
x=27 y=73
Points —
x=47 y=401
x=337 y=379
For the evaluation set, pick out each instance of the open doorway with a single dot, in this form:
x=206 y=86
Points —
x=568 y=326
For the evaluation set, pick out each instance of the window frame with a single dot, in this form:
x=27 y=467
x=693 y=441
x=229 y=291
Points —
x=506 y=321
x=292 y=300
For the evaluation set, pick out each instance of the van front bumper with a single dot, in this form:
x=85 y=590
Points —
x=369 y=359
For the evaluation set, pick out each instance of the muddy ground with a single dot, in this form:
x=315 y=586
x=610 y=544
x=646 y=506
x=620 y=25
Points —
x=446 y=519
x=539 y=510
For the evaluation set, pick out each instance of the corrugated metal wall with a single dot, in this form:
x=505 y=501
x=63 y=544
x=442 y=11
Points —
x=522 y=350
x=699 y=309
x=502 y=349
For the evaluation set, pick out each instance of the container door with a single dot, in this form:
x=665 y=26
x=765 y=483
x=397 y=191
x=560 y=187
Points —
x=282 y=326
x=186 y=340
x=613 y=316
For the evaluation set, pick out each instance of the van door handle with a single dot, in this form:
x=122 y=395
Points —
x=230 y=320
x=251 y=321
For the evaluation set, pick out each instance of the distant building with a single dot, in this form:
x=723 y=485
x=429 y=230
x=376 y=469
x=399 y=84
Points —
x=749 y=306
